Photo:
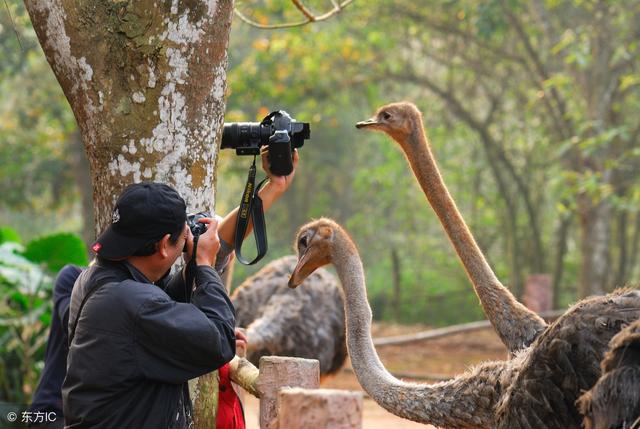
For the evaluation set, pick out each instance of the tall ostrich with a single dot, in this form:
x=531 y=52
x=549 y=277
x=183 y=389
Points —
x=516 y=325
x=536 y=389
x=614 y=402
x=307 y=323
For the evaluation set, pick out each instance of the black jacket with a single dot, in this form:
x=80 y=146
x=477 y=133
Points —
x=135 y=346
x=48 y=396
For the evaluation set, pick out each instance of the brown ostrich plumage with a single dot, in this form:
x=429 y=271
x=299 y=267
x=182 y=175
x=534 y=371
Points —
x=614 y=402
x=537 y=389
x=307 y=323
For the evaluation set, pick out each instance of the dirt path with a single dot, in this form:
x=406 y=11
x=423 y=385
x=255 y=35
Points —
x=441 y=358
x=374 y=417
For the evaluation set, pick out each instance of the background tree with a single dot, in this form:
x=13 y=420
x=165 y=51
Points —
x=36 y=127
x=579 y=60
x=146 y=84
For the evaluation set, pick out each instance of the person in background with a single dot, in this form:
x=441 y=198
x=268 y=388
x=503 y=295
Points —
x=48 y=396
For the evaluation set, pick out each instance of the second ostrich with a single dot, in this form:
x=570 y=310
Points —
x=307 y=323
x=614 y=402
x=536 y=389
x=516 y=325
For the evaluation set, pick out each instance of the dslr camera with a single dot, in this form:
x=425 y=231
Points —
x=278 y=130
x=196 y=227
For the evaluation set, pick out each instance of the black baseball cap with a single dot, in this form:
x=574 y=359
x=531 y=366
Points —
x=144 y=213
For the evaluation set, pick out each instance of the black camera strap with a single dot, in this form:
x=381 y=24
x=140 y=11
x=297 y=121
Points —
x=251 y=207
x=190 y=271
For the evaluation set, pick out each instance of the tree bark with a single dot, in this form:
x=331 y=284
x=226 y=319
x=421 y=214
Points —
x=146 y=83
x=595 y=231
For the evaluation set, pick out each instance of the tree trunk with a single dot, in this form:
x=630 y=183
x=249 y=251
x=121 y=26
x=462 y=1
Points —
x=562 y=234
x=595 y=234
x=623 y=253
x=635 y=244
x=146 y=83
x=397 y=276
x=82 y=177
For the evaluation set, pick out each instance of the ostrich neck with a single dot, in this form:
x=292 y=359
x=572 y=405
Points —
x=453 y=404
x=516 y=325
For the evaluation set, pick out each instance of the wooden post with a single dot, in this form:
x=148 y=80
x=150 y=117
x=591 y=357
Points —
x=538 y=293
x=277 y=372
x=319 y=409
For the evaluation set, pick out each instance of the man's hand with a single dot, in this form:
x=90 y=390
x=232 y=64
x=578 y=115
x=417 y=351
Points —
x=273 y=190
x=241 y=342
x=278 y=184
x=208 y=243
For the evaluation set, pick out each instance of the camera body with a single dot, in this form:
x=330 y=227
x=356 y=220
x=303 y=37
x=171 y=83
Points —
x=196 y=227
x=281 y=133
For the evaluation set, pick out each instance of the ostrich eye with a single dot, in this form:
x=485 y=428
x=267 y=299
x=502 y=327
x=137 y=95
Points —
x=386 y=115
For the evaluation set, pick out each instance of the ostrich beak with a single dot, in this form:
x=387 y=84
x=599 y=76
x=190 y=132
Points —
x=369 y=122
x=307 y=263
x=300 y=272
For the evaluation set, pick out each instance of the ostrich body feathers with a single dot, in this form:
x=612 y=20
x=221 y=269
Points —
x=614 y=402
x=307 y=322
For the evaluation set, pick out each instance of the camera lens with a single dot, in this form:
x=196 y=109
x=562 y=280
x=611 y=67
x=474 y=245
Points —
x=245 y=137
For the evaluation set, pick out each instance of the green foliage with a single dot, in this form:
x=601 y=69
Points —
x=9 y=235
x=36 y=173
x=543 y=128
x=338 y=82
x=26 y=284
x=57 y=250
x=24 y=318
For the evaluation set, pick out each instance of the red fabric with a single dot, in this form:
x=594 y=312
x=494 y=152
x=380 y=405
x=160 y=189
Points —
x=230 y=415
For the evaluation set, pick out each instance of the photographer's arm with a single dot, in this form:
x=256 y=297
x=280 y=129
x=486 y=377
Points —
x=179 y=341
x=271 y=192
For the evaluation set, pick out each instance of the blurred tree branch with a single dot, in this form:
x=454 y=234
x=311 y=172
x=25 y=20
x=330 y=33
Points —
x=309 y=16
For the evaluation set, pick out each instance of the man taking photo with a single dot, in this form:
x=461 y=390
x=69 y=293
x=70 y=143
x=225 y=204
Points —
x=134 y=345
x=137 y=335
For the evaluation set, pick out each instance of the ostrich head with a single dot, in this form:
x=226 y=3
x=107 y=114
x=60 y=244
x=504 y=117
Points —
x=314 y=244
x=399 y=120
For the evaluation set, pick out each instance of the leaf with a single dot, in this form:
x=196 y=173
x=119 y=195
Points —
x=568 y=37
x=629 y=81
x=9 y=255
x=9 y=235
x=57 y=250
x=19 y=273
